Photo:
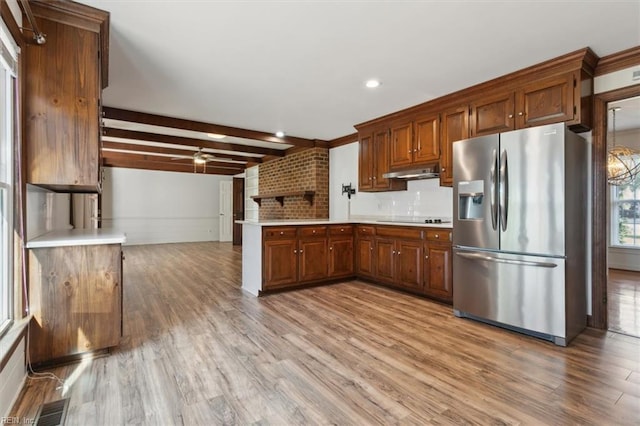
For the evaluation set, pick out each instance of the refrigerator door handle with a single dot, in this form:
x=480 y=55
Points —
x=504 y=189
x=477 y=256
x=492 y=190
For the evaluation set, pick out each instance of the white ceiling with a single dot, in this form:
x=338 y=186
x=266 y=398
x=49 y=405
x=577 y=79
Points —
x=300 y=66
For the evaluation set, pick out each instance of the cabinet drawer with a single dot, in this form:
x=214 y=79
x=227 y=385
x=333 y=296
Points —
x=399 y=232
x=313 y=231
x=439 y=235
x=366 y=230
x=341 y=230
x=279 y=232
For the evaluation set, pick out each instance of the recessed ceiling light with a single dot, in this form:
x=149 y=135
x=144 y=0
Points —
x=216 y=136
x=372 y=83
x=280 y=134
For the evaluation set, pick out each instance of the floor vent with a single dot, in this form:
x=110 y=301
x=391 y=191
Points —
x=52 y=413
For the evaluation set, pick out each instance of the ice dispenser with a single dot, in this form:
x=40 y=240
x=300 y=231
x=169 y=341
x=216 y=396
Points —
x=470 y=199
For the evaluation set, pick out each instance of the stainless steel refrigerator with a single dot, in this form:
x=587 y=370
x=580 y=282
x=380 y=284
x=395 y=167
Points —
x=519 y=231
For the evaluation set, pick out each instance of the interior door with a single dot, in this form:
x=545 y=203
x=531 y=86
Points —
x=238 y=209
x=226 y=211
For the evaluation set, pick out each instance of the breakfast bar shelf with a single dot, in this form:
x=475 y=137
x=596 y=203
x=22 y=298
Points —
x=279 y=196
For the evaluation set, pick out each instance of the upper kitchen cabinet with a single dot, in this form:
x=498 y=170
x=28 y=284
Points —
x=373 y=161
x=63 y=86
x=416 y=142
x=455 y=127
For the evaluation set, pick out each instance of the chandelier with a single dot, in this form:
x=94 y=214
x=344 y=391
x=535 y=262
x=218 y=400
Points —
x=623 y=163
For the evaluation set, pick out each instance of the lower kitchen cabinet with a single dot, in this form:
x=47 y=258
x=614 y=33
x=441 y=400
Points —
x=341 y=251
x=399 y=257
x=75 y=296
x=438 y=268
x=365 y=256
x=280 y=263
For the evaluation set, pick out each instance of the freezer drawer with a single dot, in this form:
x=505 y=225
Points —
x=527 y=292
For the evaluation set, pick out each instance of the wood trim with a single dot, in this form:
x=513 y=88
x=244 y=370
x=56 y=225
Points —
x=12 y=25
x=106 y=145
x=180 y=140
x=344 y=140
x=549 y=68
x=199 y=126
x=600 y=208
x=618 y=61
x=166 y=167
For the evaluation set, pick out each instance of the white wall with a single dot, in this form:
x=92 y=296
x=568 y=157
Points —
x=422 y=197
x=161 y=207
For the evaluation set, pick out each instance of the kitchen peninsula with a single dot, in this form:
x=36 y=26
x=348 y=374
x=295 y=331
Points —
x=75 y=291
x=286 y=254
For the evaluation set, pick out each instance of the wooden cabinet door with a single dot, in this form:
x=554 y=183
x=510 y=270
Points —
x=401 y=145
x=385 y=256
x=340 y=257
x=408 y=264
x=546 y=101
x=280 y=262
x=427 y=139
x=365 y=163
x=75 y=298
x=493 y=114
x=313 y=259
x=455 y=127
x=62 y=92
x=365 y=257
x=381 y=159
x=438 y=271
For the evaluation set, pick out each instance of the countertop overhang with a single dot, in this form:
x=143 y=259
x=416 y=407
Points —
x=293 y=222
x=77 y=237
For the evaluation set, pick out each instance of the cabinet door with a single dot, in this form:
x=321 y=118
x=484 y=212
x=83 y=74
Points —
x=313 y=259
x=340 y=257
x=438 y=271
x=493 y=114
x=385 y=257
x=455 y=127
x=381 y=159
x=546 y=101
x=280 y=263
x=401 y=145
x=365 y=257
x=62 y=90
x=365 y=163
x=75 y=298
x=427 y=139
x=408 y=263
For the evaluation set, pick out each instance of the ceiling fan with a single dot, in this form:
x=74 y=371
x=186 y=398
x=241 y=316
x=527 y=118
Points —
x=199 y=157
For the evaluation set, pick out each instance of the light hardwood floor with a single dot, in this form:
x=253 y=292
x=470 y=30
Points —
x=197 y=350
x=623 y=299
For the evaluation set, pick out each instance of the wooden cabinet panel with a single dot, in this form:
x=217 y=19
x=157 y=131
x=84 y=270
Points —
x=340 y=256
x=399 y=232
x=381 y=159
x=312 y=231
x=455 y=127
x=427 y=139
x=75 y=298
x=546 y=101
x=385 y=255
x=408 y=264
x=281 y=232
x=439 y=235
x=401 y=145
x=313 y=259
x=62 y=101
x=280 y=263
x=438 y=271
x=365 y=265
x=340 y=230
x=493 y=114
x=365 y=163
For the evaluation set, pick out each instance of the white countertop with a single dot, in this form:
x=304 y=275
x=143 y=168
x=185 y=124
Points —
x=77 y=237
x=381 y=221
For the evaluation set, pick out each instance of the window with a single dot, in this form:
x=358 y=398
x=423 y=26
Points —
x=625 y=214
x=8 y=58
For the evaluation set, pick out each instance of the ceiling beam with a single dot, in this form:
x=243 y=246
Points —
x=172 y=151
x=199 y=126
x=126 y=157
x=180 y=140
x=150 y=165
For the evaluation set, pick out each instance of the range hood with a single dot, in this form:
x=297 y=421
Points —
x=422 y=173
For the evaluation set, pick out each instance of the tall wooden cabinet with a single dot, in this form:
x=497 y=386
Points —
x=63 y=86
x=454 y=127
x=75 y=296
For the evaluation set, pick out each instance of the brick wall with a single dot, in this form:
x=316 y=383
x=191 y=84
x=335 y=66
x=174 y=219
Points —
x=306 y=170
